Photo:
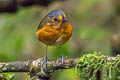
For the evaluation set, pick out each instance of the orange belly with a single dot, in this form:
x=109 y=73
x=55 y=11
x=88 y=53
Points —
x=52 y=35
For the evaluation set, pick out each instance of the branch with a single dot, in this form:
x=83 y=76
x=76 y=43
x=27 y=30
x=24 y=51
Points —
x=36 y=68
x=25 y=66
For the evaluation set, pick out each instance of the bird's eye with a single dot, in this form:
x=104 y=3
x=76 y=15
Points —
x=55 y=19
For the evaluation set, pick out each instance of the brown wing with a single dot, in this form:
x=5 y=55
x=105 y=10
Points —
x=42 y=23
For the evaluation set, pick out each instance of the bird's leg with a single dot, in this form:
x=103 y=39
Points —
x=61 y=60
x=45 y=59
x=62 y=57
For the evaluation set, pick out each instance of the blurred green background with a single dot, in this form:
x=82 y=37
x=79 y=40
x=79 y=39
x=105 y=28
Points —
x=96 y=27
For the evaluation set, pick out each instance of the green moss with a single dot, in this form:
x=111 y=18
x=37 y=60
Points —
x=89 y=64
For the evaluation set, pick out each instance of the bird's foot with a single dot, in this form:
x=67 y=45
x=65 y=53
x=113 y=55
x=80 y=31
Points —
x=44 y=64
x=60 y=61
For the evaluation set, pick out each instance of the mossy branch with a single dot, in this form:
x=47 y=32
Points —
x=91 y=62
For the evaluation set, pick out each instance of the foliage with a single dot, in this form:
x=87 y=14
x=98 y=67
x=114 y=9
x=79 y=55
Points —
x=7 y=76
x=89 y=64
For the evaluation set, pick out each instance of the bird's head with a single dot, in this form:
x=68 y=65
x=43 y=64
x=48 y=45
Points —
x=56 y=18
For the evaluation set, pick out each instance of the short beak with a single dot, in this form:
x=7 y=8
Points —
x=65 y=20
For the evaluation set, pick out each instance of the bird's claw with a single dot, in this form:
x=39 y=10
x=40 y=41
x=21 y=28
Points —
x=60 y=61
x=44 y=64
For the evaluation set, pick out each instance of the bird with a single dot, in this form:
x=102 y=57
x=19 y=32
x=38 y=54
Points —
x=54 y=30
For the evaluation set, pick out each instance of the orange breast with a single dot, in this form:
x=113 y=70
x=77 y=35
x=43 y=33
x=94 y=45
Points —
x=52 y=35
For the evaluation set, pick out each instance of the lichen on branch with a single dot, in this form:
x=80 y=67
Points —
x=89 y=64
